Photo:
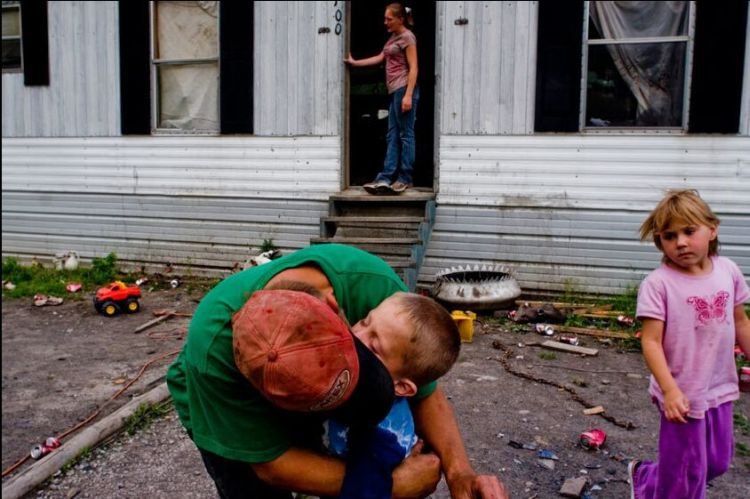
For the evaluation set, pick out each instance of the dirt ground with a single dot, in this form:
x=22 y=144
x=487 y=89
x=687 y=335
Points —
x=62 y=363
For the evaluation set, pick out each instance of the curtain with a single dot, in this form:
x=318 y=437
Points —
x=654 y=72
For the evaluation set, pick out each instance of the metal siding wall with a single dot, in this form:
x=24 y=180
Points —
x=199 y=201
x=83 y=96
x=564 y=211
x=487 y=67
x=745 y=103
x=269 y=167
x=597 y=172
x=298 y=71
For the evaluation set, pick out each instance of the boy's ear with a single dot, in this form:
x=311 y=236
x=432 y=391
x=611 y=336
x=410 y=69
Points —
x=404 y=387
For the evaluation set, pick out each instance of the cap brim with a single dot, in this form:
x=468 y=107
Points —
x=373 y=396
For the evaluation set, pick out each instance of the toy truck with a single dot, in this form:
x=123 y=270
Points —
x=117 y=297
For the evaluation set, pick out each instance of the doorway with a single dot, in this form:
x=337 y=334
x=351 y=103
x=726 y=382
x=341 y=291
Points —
x=367 y=119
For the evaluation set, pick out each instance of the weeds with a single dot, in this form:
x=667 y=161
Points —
x=547 y=355
x=267 y=245
x=32 y=279
x=146 y=414
x=742 y=423
x=82 y=455
x=742 y=449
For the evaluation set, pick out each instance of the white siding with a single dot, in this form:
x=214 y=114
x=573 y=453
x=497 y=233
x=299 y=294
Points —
x=83 y=97
x=268 y=167
x=201 y=201
x=486 y=67
x=298 y=71
x=564 y=211
x=745 y=107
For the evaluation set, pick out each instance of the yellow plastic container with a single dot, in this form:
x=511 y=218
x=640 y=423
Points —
x=465 y=323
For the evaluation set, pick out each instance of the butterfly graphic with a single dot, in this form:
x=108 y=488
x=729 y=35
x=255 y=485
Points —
x=715 y=308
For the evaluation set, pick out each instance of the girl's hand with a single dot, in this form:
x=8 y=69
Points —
x=676 y=406
x=406 y=104
x=349 y=59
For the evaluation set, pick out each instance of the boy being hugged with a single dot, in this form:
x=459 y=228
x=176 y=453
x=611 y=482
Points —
x=692 y=311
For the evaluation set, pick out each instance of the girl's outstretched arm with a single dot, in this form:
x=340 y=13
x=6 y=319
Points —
x=370 y=61
x=676 y=405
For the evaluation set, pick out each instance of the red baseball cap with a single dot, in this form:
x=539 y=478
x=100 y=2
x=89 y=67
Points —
x=302 y=357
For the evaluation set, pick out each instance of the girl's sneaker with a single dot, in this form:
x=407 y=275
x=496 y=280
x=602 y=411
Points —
x=378 y=187
x=632 y=468
x=399 y=187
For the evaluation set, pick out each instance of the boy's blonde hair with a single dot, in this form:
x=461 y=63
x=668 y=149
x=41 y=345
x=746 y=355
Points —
x=435 y=341
x=680 y=206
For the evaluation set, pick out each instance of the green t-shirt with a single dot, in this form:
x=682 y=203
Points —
x=221 y=410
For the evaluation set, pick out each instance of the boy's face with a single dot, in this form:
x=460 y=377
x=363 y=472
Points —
x=386 y=332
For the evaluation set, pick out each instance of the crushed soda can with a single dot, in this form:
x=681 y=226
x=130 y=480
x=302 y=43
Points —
x=593 y=439
x=544 y=329
x=39 y=451
x=141 y=281
x=52 y=442
x=174 y=283
x=570 y=340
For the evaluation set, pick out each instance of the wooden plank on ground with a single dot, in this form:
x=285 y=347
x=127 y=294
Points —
x=564 y=347
x=152 y=322
x=592 y=331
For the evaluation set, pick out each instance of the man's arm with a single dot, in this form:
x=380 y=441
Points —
x=305 y=471
x=437 y=424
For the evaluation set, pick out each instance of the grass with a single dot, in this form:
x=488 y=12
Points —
x=82 y=455
x=741 y=423
x=32 y=279
x=547 y=355
x=145 y=415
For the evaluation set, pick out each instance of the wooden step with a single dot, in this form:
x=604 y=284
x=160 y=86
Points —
x=359 y=220
x=354 y=241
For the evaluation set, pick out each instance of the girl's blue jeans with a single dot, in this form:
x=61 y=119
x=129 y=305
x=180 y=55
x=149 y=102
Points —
x=401 y=144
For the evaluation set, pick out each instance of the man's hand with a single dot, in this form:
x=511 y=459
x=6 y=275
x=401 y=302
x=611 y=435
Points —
x=417 y=476
x=470 y=486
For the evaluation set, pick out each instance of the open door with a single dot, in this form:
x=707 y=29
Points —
x=368 y=98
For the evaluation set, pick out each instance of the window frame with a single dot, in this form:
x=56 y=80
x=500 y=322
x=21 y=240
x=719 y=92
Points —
x=15 y=6
x=156 y=63
x=689 y=39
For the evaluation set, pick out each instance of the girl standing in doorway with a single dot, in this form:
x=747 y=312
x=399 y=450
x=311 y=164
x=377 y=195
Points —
x=400 y=56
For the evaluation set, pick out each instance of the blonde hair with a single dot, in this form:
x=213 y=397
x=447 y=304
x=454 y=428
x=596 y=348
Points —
x=402 y=12
x=435 y=341
x=679 y=206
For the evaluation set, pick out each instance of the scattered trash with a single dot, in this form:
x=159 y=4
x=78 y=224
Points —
x=119 y=381
x=547 y=454
x=9 y=285
x=67 y=260
x=261 y=259
x=625 y=320
x=544 y=329
x=573 y=487
x=73 y=287
x=591 y=411
x=465 y=323
x=593 y=439
x=41 y=450
x=519 y=445
x=547 y=312
x=570 y=340
x=546 y=463
x=175 y=283
x=42 y=300
x=141 y=281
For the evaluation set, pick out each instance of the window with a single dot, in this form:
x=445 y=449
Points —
x=185 y=66
x=639 y=66
x=11 y=36
x=636 y=57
